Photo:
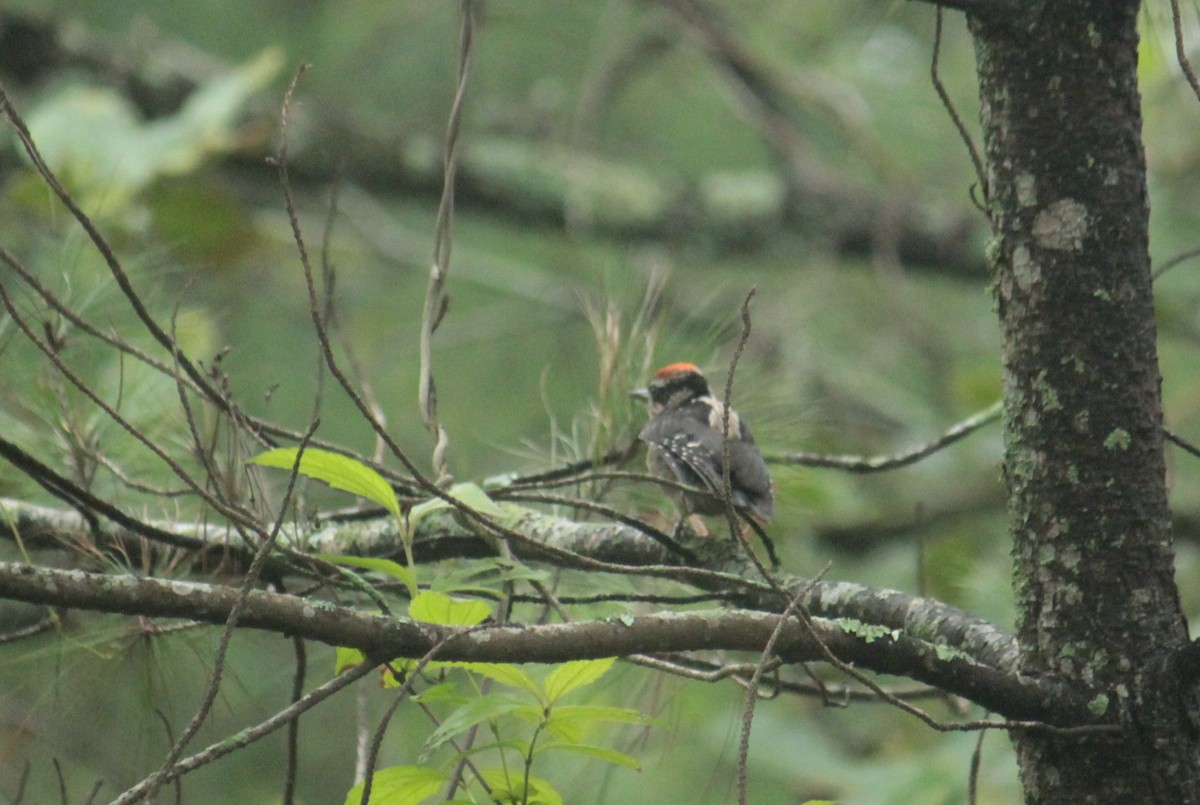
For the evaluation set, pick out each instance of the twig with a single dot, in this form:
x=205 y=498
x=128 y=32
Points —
x=62 y=782
x=463 y=750
x=436 y=301
x=315 y=307
x=752 y=687
x=553 y=480
x=260 y=429
x=52 y=299
x=248 y=736
x=1181 y=52
x=293 y=733
x=210 y=696
x=235 y=514
x=376 y=743
x=731 y=514
x=281 y=164
x=955 y=118
x=865 y=464
x=568 y=472
x=177 y=784
x=134 y=484
x=1179 y=441
x=43 y=624
x=924 y=717
x=502 y=615
x=613 y=514
x=1183 y=256
x=973 y=773
x=204 y=456
x=764 y=537
x=329 y=279
x=109 y=256
x=404 y=690
x=629 y=598
x=683 y=667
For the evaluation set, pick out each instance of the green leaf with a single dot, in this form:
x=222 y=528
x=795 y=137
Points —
x=395 y=672
x=512 y=570
x=442 y=692
x=568 y=721
x=470 y=495
x=514 y=745
x=485 y=575
x=476 y=711
x=505 y=674
x=572 y=675
x=346 y=658
x=340 y=472
x=439 y=608
x=567 y=731
x=535 y=714
x=385 y=566
x=598 y=713
x=509 y=787
x=400 y=785
x=601 y=752
x=122 y=153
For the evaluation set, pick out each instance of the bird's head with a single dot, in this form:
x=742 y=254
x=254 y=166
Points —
x=672 y=385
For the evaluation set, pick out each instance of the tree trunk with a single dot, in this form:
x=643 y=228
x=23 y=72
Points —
x=1093 y=570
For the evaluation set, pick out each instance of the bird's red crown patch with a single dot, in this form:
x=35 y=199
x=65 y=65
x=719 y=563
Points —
x=675 y=368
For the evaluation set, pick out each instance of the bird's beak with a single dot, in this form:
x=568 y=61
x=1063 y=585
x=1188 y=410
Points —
x=640 y=394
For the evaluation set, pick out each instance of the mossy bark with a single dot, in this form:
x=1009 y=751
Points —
x=1093 y=562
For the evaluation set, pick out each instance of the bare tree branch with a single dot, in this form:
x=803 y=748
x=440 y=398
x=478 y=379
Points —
x=607 y=547
x=864 y=464
x=382 y=638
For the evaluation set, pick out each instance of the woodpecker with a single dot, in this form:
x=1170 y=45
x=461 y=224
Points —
x=685 y=445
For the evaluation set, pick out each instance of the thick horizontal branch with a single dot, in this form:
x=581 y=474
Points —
x=381 y=638
x=441 y=538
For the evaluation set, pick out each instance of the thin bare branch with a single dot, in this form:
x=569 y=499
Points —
x=106 y=252
x=955 y=118
x=1179 y=441
x=235 y=514
x=576 y=472
x=865 y=464
x=231 y=622
x=582 y=504
x=1182 y=257
x=1185 y=64
x=752 y=691
x=436 y=300
x=248 y=736
x=731 y=514
x=86 y=503
x=973 y=774
x=260 y=429
x=293 y=733
x=43 y=624
x=433 y=488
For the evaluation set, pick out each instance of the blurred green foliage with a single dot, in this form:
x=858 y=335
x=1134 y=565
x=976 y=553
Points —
x=578 y=113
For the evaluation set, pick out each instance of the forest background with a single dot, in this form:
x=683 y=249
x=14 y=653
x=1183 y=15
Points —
x=612 y=153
